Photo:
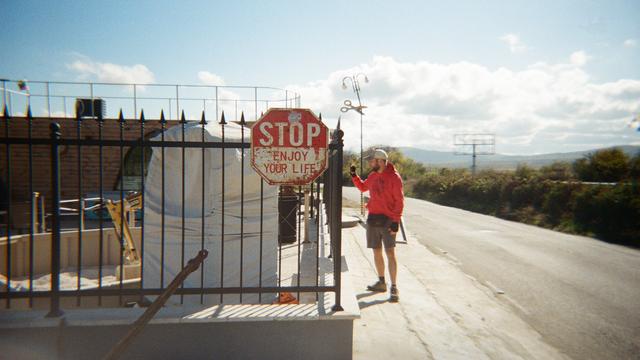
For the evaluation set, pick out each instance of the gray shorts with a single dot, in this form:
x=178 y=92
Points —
x=376 y=235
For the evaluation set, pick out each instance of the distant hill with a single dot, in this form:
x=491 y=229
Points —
x=498 y=161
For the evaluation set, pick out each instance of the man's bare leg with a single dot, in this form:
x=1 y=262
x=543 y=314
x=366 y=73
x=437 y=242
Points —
x=393 y=270
x=379 y=261
x=393 y=264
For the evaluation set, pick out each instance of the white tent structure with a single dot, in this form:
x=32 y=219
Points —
x=248 y=224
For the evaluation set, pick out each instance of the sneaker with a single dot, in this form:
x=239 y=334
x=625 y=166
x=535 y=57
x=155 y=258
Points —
x=379 y=286
x=395 y=294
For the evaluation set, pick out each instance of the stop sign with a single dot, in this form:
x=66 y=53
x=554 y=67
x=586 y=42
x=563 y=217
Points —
x=289 y=146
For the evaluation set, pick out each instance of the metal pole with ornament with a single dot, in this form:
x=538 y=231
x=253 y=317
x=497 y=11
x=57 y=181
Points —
x=348 y=105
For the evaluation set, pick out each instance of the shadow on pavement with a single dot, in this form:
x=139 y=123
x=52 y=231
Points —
x=366 y=304
x=366 y=294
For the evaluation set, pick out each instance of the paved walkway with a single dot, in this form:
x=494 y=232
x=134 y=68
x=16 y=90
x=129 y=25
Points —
x=442 y=314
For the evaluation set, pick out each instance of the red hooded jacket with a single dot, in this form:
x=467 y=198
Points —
x=385 y=192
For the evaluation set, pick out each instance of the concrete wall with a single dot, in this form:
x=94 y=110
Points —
x=68 y=253
x=20 y=252
x=302 y=339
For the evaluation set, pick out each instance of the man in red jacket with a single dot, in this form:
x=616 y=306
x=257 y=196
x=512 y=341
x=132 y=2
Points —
x=386 y=201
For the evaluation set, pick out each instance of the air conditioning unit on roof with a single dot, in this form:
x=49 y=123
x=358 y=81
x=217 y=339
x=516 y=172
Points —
x=91 y=108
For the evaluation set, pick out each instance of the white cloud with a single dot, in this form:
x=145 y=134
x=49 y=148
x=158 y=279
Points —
x=630 y=43
x=579 y=58
x=423 y=104
x=514 y=42
x=111 y=73
x=227 y=96
x=208 y=78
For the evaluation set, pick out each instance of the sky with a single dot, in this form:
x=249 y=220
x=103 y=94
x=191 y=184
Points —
x=543 y=76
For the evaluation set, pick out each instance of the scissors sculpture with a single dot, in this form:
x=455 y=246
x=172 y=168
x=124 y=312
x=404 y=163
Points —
x=349 y=106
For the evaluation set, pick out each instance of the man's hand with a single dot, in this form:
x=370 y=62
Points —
x=393 y=229
x=352 y=171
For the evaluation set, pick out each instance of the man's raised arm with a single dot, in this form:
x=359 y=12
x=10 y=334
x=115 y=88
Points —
x=361 y=185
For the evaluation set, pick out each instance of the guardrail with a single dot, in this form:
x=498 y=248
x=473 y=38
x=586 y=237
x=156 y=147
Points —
x=58 y=98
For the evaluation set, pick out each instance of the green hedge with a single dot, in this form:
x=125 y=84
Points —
x=609 y=212
x=554 y=196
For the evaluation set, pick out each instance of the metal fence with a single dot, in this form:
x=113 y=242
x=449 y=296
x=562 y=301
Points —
x=325 y=210
x=58 y=98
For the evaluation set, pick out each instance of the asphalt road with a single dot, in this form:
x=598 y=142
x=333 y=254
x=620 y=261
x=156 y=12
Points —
x=582 y=295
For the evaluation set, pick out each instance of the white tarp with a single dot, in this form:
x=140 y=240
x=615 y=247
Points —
x=236 y=227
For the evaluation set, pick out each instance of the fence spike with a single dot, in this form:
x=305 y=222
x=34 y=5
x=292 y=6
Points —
x=242 y=121
x=162 y=119
x=182 y=118
x=29 y=114
x=203 y=121
x=222 y=120
x=121 y=117
x=78 y=115
x=5 y=112
x=142 y=115
x=339 y=119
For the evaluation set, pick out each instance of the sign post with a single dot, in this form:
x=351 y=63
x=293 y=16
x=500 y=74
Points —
x=289 y=146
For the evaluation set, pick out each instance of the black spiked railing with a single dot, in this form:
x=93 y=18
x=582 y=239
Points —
x=87 y=157
x=243 y=123
x=7 y=124
x=163 y=124
x=335 y=223
x=81 y=203
x=203 y=124
x=121 y=122
x=32 y=204
x=142 y=174
x=223 y=123
x=183 y=123
x=54 y=310
x=101 y=197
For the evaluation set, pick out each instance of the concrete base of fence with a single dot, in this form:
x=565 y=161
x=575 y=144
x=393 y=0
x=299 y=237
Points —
x=240 y=331
x=309 y=331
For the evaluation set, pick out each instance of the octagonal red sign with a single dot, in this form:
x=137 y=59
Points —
x=289 y=146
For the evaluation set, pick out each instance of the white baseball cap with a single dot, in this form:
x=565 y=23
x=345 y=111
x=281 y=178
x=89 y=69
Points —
x=379 y=154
